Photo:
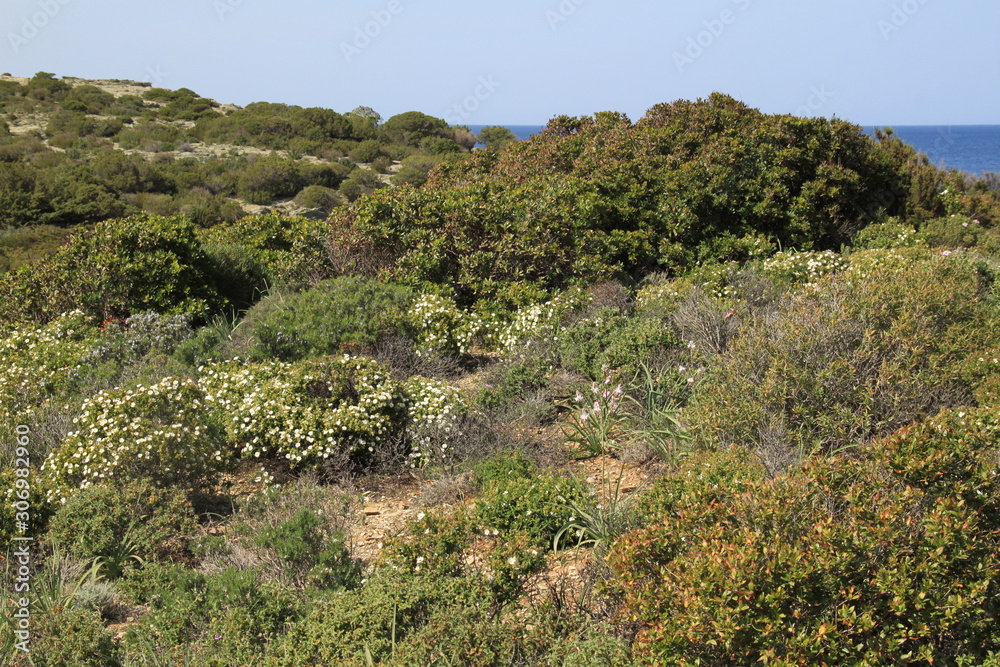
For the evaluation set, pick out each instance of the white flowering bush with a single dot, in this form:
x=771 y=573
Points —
x=162 y=432
x=540 y=321
x=307 y=411
x=434 y=414
x=37 y=362
x=441 y=326
x=663 y=298
x=802 y=268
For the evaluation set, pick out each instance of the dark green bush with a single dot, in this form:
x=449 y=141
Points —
x=366 y=151
x=292 y=250
x=118 y=268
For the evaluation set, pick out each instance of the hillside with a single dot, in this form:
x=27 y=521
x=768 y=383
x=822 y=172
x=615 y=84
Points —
x=712 y=387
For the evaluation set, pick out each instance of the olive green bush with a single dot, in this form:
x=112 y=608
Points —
x=347 y=313
x=211 y=620
x=68 y=637
x=856 y=356
x=879 y=559
x=123 y=524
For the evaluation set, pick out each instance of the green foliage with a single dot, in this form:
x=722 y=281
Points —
x=335 y=315
x=274 y=126
x=68 y=637
x=317 y=196
x=373 y=620
x=117 y=268
x=366 y=151
x=123 y=524
x=500 y=468
x=538 y=505
x=871 y=560
x=592 y=199
x=857 y=356
x=222 y=618
x=496 y=136
x=291 y=250
x=301 y=544
x=411 y=128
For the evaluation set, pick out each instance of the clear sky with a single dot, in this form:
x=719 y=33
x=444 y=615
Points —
x=520 y=62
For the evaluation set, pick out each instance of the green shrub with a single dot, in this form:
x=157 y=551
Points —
x=855 y=357
x=335 y=315
x=502 y=467
x=366 y=151
x=291 y=250
x=871 y=560
x=118 y=268
x=68 y=637
x=225 y=618
x=317 y=196
x=374 y=620
x=323 y=561
x=538 y=505
x=269 y=179
x=123 y=525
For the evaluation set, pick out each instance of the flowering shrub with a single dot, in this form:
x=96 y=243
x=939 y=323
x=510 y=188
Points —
x=434 y=411
x=37 y=362
x=887 y=235
x=440 y=326
x=541 y=321
x=161 y=432
x=802 y=267
x=305 y=412
x=599 y=417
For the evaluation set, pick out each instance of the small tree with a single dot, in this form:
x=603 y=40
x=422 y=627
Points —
x=496 y=136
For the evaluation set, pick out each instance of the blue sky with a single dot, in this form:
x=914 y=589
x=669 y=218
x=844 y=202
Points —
x=886 y=62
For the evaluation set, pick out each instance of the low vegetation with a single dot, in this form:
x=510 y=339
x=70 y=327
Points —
x=715 y=387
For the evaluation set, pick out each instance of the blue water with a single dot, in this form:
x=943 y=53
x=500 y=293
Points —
x=971 y=148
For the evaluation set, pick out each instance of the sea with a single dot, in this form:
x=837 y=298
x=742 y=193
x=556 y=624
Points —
x=971 y=148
